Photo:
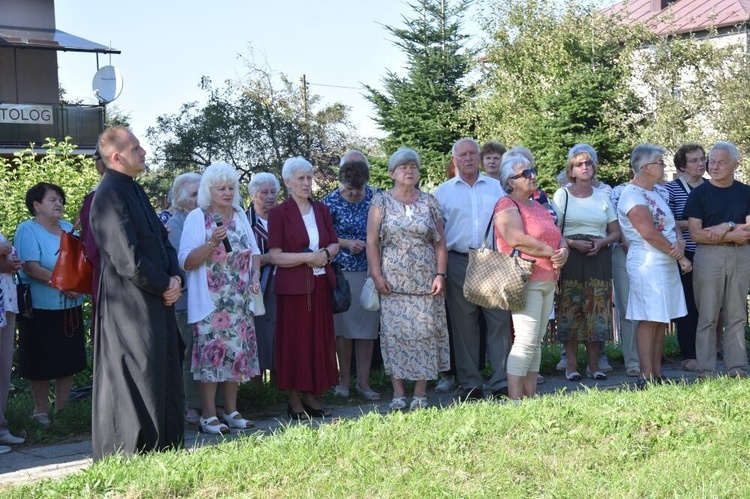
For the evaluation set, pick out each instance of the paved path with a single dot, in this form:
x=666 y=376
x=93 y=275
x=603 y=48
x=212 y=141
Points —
x=31 y=463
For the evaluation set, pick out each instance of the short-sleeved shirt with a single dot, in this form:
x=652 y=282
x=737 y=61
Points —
x=661 y=215
x=588 y=216
x=539 y=224
x=350 y=222
x=678 y=194
x=717 y=205
x=36 y=244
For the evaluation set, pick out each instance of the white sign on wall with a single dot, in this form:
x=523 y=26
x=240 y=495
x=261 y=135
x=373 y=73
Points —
x=26 y=114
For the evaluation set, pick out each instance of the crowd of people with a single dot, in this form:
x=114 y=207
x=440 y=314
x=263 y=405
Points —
x=206 y=295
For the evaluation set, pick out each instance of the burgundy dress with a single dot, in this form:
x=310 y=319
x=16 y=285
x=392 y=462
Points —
x=305 y=339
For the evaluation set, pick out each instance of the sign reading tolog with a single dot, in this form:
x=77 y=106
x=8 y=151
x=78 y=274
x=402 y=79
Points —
x=26 y=114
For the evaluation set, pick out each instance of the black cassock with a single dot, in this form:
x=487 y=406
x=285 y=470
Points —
x=137 y=397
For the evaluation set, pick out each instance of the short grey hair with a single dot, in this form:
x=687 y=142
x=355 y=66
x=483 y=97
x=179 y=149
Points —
x=403 y=156
x=508 y=169
x=520 y=150
x=461 y=141
x=218 y=174
x=728 y=147
x=644 y=154
x=295 y=165
x=353 y=152
x=259 y=179
x=179 y=189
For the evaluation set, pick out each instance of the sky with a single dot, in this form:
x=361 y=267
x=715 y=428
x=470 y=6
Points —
x=168 y=46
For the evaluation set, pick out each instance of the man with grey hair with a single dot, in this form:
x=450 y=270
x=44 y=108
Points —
x=353 y=155
x=467 y=202
x=718 y=213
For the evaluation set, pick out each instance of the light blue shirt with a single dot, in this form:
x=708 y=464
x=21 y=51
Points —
x=36 y=244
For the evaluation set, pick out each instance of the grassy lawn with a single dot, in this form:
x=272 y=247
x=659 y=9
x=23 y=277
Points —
x=674 y=440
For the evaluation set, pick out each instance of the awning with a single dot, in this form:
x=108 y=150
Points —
x=48 y=39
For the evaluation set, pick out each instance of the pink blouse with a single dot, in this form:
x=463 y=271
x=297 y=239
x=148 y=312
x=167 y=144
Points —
x=539 y=224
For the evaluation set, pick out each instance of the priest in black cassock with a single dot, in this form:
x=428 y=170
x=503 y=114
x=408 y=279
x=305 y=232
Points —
x=137 y=398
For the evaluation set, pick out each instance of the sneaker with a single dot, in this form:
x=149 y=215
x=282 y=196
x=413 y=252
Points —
x=7 y=438
x=4 y=449
x=446 y=384
x=563 y=364
x=604 y=365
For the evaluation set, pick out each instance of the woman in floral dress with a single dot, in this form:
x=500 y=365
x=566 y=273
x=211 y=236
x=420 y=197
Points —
x=219 y=284
x=409 y=274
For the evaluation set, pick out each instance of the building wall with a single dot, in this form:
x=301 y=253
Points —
x=28 y=13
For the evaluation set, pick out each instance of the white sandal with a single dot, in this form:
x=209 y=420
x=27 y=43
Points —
x=239 y=424
x=398 y=404
x=207 y=426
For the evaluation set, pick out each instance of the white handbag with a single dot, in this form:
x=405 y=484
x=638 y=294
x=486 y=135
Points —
x=257 y=307
x=369 y=297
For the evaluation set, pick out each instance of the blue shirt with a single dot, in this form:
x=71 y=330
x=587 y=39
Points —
x=350 y=222
x=36 y=244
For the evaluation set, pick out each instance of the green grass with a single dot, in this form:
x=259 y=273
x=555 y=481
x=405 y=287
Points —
x=675 y=440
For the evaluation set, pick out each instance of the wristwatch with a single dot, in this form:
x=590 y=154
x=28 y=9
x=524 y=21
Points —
x=731 y=225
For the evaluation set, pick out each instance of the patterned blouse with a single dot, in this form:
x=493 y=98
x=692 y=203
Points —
x=350 y=222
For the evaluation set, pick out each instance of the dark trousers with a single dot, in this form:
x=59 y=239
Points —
x=686 y=326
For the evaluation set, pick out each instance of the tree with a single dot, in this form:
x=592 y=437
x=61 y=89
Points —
x=422 y=109
x=557 y=73
x=58 y=165
x=254 y=123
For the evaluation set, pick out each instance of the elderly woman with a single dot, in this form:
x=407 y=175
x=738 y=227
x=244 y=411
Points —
x=589 y=225
x=218 y=251
x=356 y=327
x=690 y=161
x=264 y=191
x=184 y=200
x=51 y=344
x=522 y=223
x=656 y=295
x=9 y=265
x=407 y=258
x=302 y=244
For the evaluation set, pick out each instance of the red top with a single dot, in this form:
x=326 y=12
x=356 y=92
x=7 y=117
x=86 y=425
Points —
x=539 y=224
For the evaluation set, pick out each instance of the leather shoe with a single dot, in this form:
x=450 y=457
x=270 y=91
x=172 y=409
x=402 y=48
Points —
x=471 y=394
x=500 y=392
x=316 y=413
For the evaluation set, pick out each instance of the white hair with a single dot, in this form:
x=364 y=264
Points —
x=294 y=165
x=259 y=179
x=218 y=174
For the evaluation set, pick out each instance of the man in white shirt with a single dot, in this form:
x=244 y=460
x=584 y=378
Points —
x=467 y=202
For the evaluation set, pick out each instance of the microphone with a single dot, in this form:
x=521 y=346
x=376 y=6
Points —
x=219 y=223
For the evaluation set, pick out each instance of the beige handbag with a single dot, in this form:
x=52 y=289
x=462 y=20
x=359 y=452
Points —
x=257 y=307
x=495 y=279
x=369 y=297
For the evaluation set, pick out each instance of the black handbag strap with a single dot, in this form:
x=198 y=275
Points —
x=565 y=211
x=489 y=226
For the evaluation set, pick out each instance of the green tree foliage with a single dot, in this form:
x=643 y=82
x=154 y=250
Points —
x=58 y=165
x=557 y=73
x=254 y=123
x=422 y=109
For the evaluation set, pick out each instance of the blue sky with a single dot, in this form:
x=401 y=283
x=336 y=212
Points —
x=167 y=47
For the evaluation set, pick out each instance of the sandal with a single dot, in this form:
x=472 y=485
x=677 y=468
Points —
x=418 y=403
x=690 y=365
x=42 y=418
x=574 y=376
x=397 y=404
x=596 y=375
x=367 y=394
x=235 y=420
x=207 y=426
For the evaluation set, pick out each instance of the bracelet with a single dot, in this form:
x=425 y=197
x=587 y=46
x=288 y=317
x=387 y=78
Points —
x=442 y=274
x=328 y=254
x=209 y=243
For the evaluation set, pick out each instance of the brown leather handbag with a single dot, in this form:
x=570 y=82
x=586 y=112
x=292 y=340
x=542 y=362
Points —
x=72 y=272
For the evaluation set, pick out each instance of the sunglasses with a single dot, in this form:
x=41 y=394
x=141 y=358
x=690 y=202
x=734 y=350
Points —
x=525 y=174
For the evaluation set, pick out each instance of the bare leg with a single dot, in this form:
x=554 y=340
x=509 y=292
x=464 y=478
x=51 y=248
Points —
x=344 y=353
x=420 y=388
x=208 y=397
x=658 y=346
x=571 y=353
x=363 y=351
x=645 y=344
x=230 y=396
x=516 y=385
x=529 y=384
x=62 y=391
x=40 y=392
x=398 y=387
x=295 y=401
x=592 y=355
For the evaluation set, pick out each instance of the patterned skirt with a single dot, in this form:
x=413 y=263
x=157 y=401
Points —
x=584 y=310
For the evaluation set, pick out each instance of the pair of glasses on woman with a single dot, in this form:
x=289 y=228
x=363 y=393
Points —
x=525 y=174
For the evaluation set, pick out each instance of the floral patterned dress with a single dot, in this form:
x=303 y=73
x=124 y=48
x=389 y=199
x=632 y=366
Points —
x=225 y=347
x=413 y=328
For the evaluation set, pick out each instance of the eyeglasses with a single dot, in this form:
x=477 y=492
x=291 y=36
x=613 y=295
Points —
x=525 y=174
x=660 y=163
x=697 y=161
x=581 y=164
